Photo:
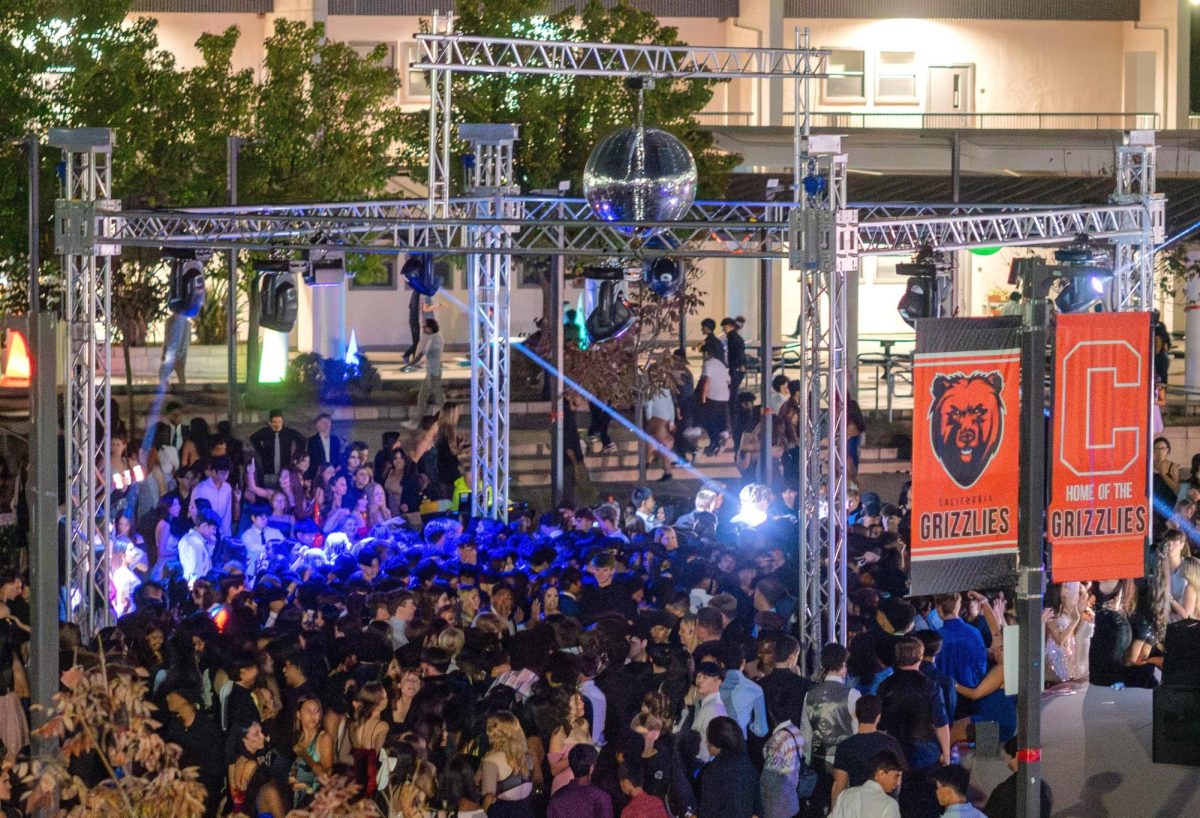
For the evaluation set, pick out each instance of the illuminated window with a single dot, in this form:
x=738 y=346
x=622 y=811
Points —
x=896 y=78
x=847 y=80
x=415 y=84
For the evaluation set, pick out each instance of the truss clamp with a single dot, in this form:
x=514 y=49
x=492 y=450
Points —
x=811 y=239
x=846 y=221
x=80 y=230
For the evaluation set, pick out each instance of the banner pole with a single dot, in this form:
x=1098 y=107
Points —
x=1031 y=578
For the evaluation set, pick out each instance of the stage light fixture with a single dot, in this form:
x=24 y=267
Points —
x=1085 y=273
x=185 y=284
x=611 y=318
x=663 y=274
x=921 y=290
x=326 y=267
x=421 y=274
x=278 y=299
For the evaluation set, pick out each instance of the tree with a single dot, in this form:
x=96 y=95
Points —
x=561 y=119
x=325 y=128
x=106 y=713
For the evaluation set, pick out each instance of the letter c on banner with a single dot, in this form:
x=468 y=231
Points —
x=1100 y=407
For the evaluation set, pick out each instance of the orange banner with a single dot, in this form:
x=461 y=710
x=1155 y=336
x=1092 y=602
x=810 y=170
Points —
x=1099 y=516
x=966 y=453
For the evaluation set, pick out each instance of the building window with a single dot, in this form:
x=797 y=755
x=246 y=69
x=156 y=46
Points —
x=371 y=272
x=414 y=84
x=364 y=49
x=847 y=80
x=896 y=78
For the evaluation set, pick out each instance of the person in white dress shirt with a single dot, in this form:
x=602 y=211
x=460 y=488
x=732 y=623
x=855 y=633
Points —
x=195 y=547
x=874 y=798
x=258 y=537
x=219 y=493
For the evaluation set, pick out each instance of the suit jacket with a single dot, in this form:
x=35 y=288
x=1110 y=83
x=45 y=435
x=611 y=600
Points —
x=316 y=453
x=291 y=444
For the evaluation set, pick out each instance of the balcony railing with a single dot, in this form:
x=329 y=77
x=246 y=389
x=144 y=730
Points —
x=925 y=121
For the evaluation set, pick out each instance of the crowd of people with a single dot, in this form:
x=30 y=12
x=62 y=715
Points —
x=316 y=608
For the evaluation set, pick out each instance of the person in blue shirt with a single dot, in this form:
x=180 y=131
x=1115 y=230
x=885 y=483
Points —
x=963 y=657
x=743 y=699
x=952 y=782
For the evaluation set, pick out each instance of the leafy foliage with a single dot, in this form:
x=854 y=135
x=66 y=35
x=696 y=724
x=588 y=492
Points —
x=639 y=363
x=563 y=117
x=107 y=712
x=332 y=380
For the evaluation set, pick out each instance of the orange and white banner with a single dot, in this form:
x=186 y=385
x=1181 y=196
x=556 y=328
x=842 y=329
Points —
x=1099 y=515
x=966 y=453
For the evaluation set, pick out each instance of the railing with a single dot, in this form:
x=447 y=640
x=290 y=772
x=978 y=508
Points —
x=1193 y=122
x=922 y=121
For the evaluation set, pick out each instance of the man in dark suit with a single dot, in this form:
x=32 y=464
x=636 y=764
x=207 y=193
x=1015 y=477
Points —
x=276 y=447
x=323 y=447
x=735 y=356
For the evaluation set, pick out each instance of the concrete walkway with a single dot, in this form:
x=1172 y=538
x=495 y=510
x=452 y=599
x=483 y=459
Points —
x=1096 y=753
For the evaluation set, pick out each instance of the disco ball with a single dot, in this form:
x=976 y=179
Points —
x=640 y=175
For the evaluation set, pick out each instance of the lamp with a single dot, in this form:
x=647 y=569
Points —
x=611 y=317
x=326 y=267
x=278 y=302
x=421 y=274
x=185 y=285
x=1084 y=273
x=18 y=368
x=921 y=291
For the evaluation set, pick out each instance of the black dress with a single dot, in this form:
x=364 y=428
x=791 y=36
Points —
x=1113 y=634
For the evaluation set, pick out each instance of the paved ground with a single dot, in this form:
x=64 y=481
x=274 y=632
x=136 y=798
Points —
x=1096 y=755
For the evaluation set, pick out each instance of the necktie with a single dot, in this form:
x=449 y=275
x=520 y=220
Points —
x=276 y=471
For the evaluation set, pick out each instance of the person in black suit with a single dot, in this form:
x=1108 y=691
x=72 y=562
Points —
x=276 y=446
x=735 y=355
x=323 y=447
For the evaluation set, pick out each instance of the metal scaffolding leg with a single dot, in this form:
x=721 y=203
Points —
x=488 y=279
x=1133 y=262
x=825 y=238
x=87 y=266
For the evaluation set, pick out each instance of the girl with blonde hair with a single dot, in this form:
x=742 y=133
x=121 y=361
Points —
x=507 y=782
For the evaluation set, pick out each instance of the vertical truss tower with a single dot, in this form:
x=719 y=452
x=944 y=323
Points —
x=823 y=252
x=488 y=279
x=87 y=270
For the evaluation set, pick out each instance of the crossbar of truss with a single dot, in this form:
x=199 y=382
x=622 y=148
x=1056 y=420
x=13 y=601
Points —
x=492 y=55
x=1004 y=229
x=711 y=229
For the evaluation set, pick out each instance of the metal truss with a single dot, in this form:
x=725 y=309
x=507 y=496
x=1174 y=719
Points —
x=492 y=55
x=440 y=118
x=1133 y=259
x=825 y=234
x=1058 y=225
x=81 y=237
x=488 y=279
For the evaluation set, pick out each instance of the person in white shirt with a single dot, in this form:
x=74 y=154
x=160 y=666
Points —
x=707 y=706
x=124 y=581
x=258 y=537
x=660 y=425
x=645 y=509
x=712 y=399
x=219 y=493
x=195 y=547
x=874 y=798
x=779 y=393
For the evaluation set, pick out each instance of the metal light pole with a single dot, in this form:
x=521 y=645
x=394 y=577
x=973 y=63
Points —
x=558 y=286
x=1031 y=577
x=233 y=149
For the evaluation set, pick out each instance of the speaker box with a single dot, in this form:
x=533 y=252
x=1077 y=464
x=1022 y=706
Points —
x=1176 y=734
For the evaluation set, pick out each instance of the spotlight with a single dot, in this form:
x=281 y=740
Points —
x=277 y=302
x=663 y=274
x=1085 y=273
x=921 y=292
x=421 y=274
x=326 y=267
x=185 y=287
x=612 y=317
